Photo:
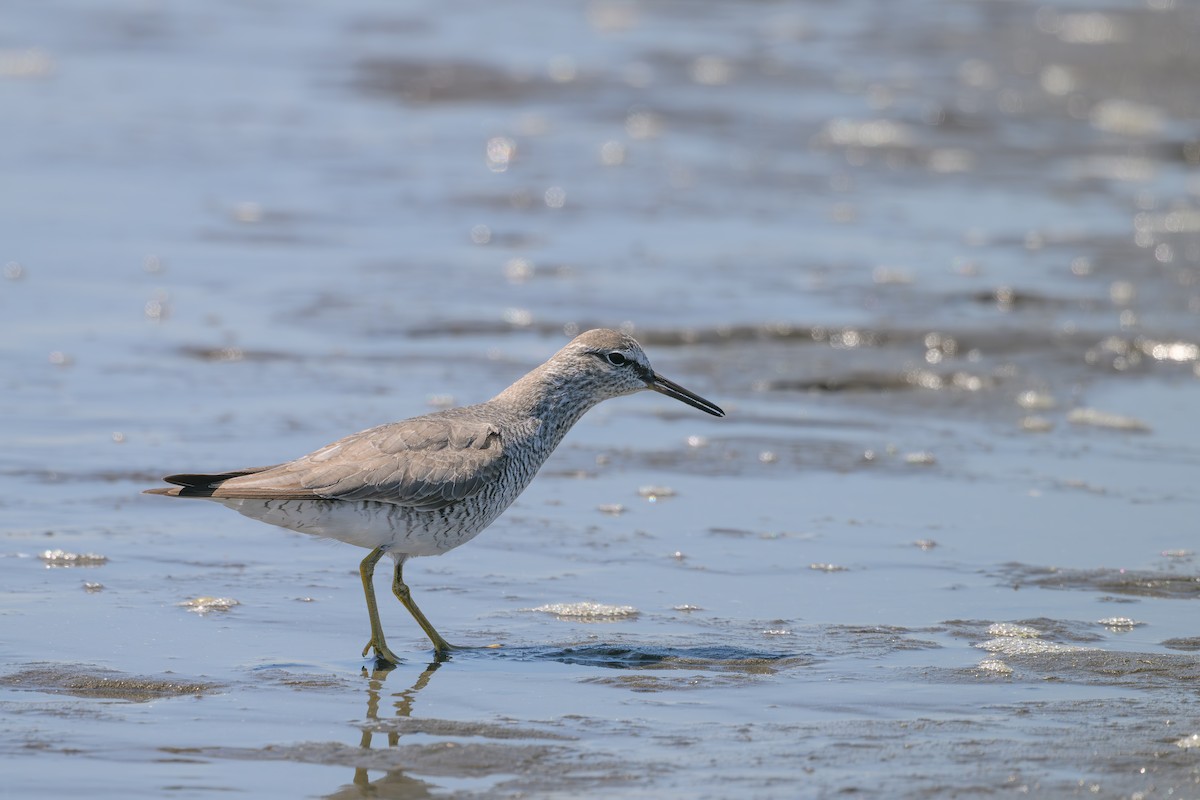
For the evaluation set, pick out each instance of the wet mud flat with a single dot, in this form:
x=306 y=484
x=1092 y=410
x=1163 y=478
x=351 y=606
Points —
x=665 y=723
x=940 y=267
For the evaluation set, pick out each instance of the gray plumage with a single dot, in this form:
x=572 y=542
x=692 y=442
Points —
x=428 y=484
x=424 y=463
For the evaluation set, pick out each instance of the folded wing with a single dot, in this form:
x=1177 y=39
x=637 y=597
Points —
x=426 y=463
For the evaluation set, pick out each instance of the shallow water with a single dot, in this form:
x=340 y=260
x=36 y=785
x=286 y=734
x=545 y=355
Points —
x=940 y=267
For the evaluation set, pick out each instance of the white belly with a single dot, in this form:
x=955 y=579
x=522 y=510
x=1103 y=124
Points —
x=404 y=531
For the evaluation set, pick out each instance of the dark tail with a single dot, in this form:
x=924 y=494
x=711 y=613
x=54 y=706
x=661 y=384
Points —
x=199 y=484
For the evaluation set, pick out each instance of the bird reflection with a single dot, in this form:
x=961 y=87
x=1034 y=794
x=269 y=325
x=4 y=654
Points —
x=395 y=784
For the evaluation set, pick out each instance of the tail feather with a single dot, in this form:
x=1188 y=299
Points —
x=200 y=484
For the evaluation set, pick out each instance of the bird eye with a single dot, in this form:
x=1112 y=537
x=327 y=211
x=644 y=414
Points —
x=617 y=359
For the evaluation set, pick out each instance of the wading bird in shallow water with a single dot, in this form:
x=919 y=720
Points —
x=425 y=485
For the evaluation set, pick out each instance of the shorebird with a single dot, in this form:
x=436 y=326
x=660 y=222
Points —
x=423 y=486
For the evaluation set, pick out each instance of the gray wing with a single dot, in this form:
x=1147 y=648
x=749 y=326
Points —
x=426 y=463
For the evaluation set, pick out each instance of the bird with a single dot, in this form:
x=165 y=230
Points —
x=426 y=485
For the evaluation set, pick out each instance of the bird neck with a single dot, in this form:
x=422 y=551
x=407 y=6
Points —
x=546 y=395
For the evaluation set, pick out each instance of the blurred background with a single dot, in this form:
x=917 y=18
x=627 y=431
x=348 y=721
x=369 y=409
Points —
x=938 y=259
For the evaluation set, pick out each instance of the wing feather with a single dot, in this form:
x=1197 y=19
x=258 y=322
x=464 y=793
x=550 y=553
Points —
x=426 y=463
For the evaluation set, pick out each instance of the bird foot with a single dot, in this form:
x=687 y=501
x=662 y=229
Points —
x=384 y=657
x=443 y=650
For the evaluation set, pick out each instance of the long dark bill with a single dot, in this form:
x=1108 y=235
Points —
x=671 y=389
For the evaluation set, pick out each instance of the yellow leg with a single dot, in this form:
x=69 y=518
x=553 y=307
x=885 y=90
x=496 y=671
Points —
x=401 y=590
x=367 y=570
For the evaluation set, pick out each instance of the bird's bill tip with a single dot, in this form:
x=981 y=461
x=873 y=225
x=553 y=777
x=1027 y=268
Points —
x=671 y=389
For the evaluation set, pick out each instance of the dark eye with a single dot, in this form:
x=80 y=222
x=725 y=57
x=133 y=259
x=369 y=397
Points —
x=617 y=359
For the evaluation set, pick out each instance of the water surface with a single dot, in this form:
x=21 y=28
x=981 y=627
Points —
x=939 y=264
